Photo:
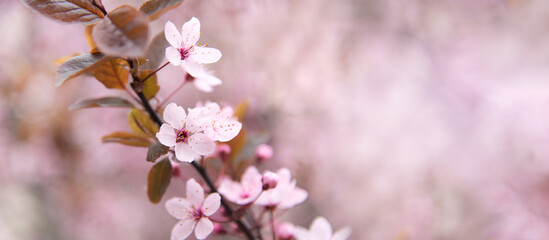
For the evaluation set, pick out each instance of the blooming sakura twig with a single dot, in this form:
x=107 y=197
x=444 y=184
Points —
x=182 y=136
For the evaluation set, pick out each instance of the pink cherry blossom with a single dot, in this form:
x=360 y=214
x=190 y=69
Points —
x=263 y=152
x=285 y=195
x=184 y=51
x=285 y=231
x=321 y=230
x=269 y=180
x=223 y=125
x=193 y=212
x=203 y=80
x=184 y=132
x=246 y=191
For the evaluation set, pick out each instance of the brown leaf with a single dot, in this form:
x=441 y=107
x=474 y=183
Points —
x=126 y=138
x=123 y=32
x=113 y=74
x=78 y=65
x=89 y=39
x=141 y=123
x=155 y=8
x=158 y=180
x=155 y=151
x=155 y=52
x=102 y=102
x=69 y=11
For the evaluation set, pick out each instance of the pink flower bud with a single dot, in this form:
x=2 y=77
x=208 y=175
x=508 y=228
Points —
x=219 y=229
x=223 y=150
x=285 y=231
x=176 y=171
x=269 y=180
x=263 y=152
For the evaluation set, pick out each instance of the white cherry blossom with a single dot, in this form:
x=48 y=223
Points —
x=184 y=50
x=245 y=191
x=285 y=195
x=184 y=132
x=321 y=230
x=204 y=81
x=223 y=125
x=193 y=212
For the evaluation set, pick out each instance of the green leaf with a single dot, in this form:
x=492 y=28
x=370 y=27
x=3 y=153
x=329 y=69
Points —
x=141 y=123
x=158 y=180
x=123 y=32
x=151 y=87
x=126 y=138
x=156 y=150
x=156 y=51
x=101 y=102
x=113 y=73
x=78 y=65
x=155 y=8
x=69 y=11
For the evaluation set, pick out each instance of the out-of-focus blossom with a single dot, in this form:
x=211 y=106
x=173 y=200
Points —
x=321 y=230
x=223 y=126
x=285 y=231
x=184 y=133
x=285 y=195
x=223 y=150
x=269 y=180
x=244 y=192
x=184 y=51
x=193 y=211
x=263 y=152
x=203 y=80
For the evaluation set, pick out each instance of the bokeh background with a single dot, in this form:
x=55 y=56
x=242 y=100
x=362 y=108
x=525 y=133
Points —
x=408 y=119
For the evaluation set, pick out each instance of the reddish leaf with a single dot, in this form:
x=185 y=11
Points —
x=126 y=138
x=155 y=151
x=158 y=180
x=78 y=65
x=101 y=102
x=69 y=11
x=155 y=8
x=113 y=73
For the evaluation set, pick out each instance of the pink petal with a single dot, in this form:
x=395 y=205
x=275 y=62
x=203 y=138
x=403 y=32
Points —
x=183 y=229
x=179 y=208
x=302 y=234
x=174 y=115
x=184 y=153
x=205 y=54
x=190 y=32
x=230 y=190
x=204 y=228
x=293 y=198
x=201 y=144
x=342 y=234
x=173 y=55
x=194 y=68
x=166 y=135
x=321 y=228
x=172 y=35
x=195 y=193
x=196 y=120
x=229 y=131
x=251 y=182
x=211 y=204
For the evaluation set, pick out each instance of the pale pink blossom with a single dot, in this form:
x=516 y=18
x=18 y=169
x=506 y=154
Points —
x=263 y=152
x=285 y=195
x=245 y=191
x=321 y=230
x=203 y=80
x=223 y=126
x=193 y=212
x=184 y=51
x=184 y=132
x=269 y=180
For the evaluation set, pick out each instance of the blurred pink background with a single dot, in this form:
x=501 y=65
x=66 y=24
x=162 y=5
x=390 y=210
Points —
x=403 y=119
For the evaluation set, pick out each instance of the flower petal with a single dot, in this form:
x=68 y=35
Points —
x=192 y=67
x=211 y=204
x=229 y=131
x=230 y=190
x=184 y=153
x=195 y=193
x=201 y=144
x=172 y=35
x=174 y=115
x=190 y=32
x=342 y=234
x=196 y=120
x=204 y=228
x=321 y=228
x=202 y=85
x=179 y=208
x=302 y=234
x=294 y=197
x=173 y=55
x=183 y=229
x=166 y=135
x=205 y=54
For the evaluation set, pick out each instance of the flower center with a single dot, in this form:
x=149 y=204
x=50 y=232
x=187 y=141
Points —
x=185 y=52
x=182 y=136
x=197 y=214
